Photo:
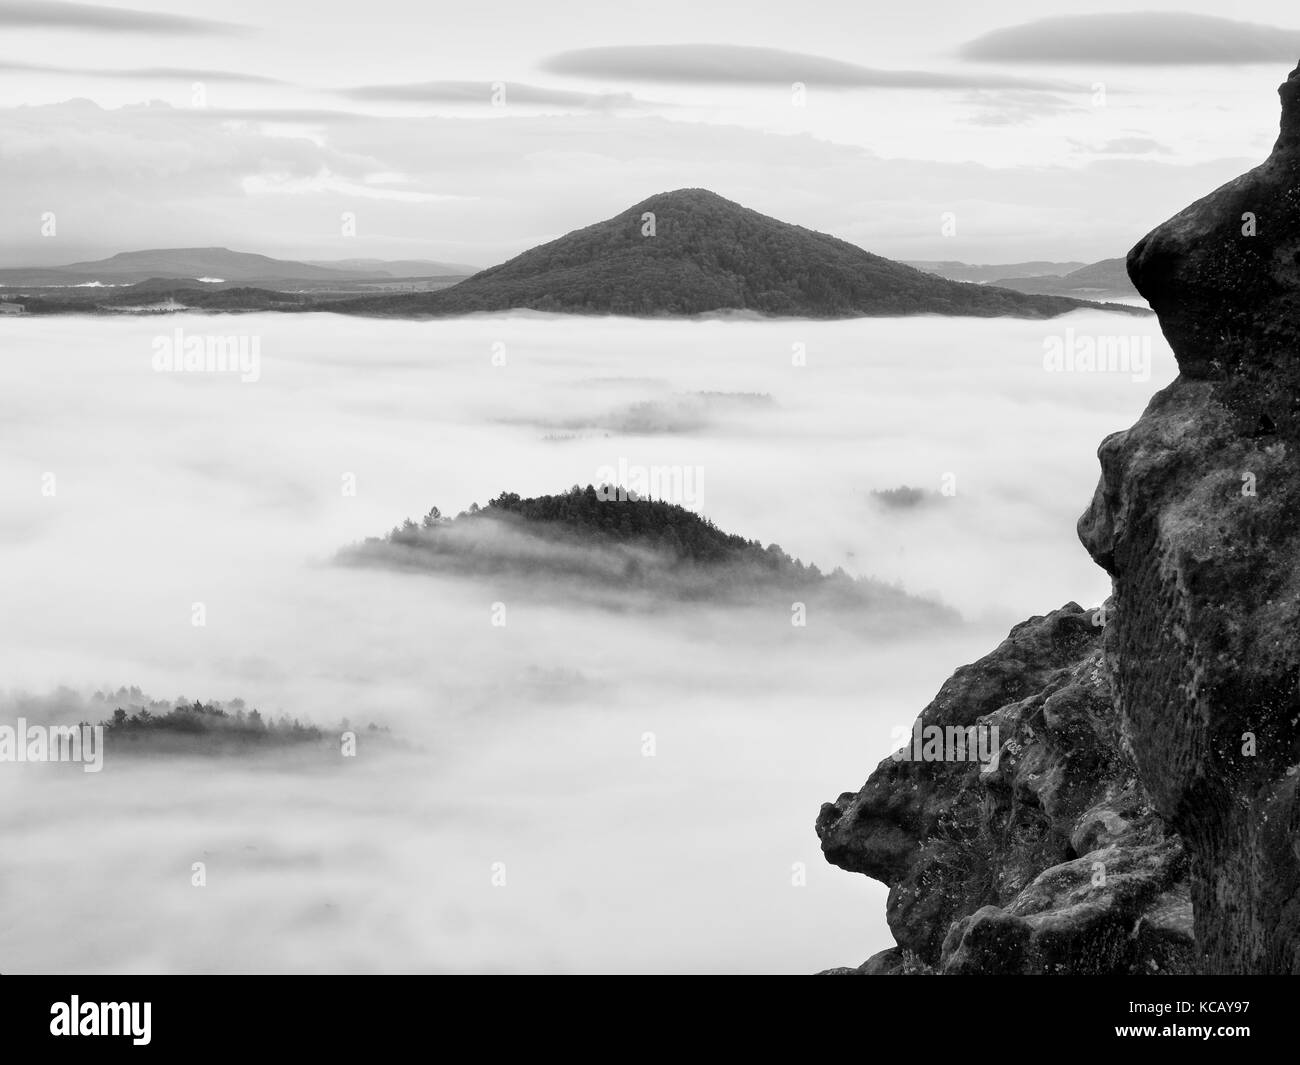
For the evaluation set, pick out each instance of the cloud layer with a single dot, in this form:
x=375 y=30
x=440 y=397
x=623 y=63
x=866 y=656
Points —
x=482 y=187
x=60 y=15
x=528 y=738
x=186 y=74
x=487 y=93
x=1147 y=38
x=734 y=64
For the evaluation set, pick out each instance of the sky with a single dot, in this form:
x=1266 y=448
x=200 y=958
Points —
x=1044 y=130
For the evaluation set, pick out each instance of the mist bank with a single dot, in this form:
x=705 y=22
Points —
x=177 y=531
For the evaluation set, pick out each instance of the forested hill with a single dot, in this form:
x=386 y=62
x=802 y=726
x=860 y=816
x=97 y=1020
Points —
x=693 y=252
x=607 y=538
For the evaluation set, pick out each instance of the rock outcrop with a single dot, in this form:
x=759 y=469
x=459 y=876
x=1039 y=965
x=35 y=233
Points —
x=1197 y=519
x=1047 y=857
x=1149 y=765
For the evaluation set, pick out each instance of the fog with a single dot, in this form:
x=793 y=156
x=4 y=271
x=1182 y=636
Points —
x=136 y=501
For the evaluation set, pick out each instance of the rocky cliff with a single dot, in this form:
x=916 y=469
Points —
x=1141 y=814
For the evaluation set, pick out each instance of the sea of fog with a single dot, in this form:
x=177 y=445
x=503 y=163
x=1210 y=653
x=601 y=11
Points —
x=581 y=788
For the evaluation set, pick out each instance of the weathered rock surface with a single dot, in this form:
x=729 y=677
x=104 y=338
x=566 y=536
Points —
x=1149 y=768
x=1047 y=859
x=1197 y=518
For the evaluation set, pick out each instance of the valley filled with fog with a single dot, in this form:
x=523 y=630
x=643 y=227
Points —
x=639 y=778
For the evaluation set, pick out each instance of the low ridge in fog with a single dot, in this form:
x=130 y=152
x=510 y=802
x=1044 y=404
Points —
x=136 y=724
x=610 y=539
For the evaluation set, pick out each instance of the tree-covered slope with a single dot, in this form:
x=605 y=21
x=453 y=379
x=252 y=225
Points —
x=709 y=254
x=607 y=540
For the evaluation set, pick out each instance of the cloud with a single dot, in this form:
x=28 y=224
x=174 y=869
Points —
x=147 y=73
x=55 y=14
x=1147 y=38
x=1004 y=108
x=303 y=115
x=324 y=182
x=733 y=64
x=527 y=741
x=485 y=92
x=157 y=175
x=1124 y=146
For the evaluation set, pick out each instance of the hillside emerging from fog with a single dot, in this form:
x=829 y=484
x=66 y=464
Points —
x=693 y=252
x=134 y=723
x=610 y=539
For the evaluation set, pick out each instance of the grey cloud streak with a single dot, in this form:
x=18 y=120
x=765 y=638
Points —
x=481 y=92
x=140 y=73
x=60 y=15
x=1139 y=38
x=733 y=64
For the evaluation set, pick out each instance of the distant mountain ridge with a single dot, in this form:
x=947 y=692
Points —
x=196 y=263
x=131 y=267
x=396 y=267
x=1103 y=280
x=1107 y=279
x=991 y=272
